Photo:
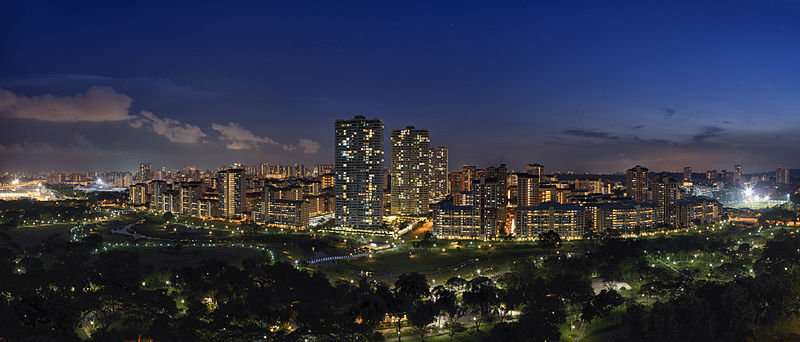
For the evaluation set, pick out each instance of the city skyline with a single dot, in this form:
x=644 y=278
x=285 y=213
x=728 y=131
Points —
x=574 y=86
x=400 y=171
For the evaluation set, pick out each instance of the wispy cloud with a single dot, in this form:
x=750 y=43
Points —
x=174 y=130
x=238 y=138
x=99 y=103
x=307 y=145
x=156 y=85
x=707 y=133
x=589 y=134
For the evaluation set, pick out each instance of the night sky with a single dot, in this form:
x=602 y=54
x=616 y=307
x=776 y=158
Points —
x=594 y=86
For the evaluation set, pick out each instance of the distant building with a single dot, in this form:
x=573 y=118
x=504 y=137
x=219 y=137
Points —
x=287 y=214
x=535 y=170
x=782 y=176
x=411 y=172
x=489 y=197
x=358 y=166
x=327 y=180
x=468 y=174
x=687 y=173
x=501 y=174
x=464 y=198
x=439 y=172
x=456 y=182
x=232 y=189
x=138 y=194
x=568 y=220
x=144 y=172
x=528 y=190
x=696 y=210
x=665 y=194
x=457 y=222
x=625 y=217
x=737 y=173
x=638 y=183
x=190 y=192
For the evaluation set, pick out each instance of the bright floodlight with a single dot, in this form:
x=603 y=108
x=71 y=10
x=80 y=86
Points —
x=15 y=182
x=748 y=192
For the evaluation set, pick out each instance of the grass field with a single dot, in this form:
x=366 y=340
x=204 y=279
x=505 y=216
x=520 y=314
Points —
x=436 y=264
x=30 y=236
x=189 y=256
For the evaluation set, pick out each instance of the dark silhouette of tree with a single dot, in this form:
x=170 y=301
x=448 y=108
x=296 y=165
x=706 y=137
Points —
x=480 y=298
x=422 y=314
x=168 y=217
x=408 y=289
x=549 y=240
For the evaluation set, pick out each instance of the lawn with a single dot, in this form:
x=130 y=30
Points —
x=438 y=265
x=189 y=256
x=33 y=235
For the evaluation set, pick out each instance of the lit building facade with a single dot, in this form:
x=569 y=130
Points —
x=697 y=210
x=782 y=175
x=411 y=172
x=439 y=172
x=358 y=167
x=138 y=194
x=535 y=170
x=665 y=194
x=287 y=214
x=231 y=185
x=637 y=183
x=737 y=173
x=568 y=220
x=457 y=222
x=626 y=217
x=489 y=197
x=528 y=190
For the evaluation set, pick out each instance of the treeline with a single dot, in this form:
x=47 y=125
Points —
x=731 y=311
x=22 y=212
x=59 y=291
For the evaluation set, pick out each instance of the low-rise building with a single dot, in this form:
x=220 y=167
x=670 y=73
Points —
x=568 y=220
x=457 y=222
x=697 y=210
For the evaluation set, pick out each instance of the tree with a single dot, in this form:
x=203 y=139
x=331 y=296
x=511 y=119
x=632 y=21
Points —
x=481 y=297
x=408 y=289
x=549 y=240
x=601 y=305
x=541 y=317
x=168 y=217
x=456 y=284
x=422 y=314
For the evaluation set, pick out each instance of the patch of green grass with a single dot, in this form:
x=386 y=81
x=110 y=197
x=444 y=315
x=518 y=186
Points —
x=33 y=235
x=436 y=264
x=190 y=256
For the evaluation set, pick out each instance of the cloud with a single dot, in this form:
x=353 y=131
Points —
x=669 y=112
x=26 y=147
x=707 y=133
x=174 y=130
x=238 y=138
x=638 y=126
x=100 y=103
x=138 y=85
x=589 y=134
x=309 y=146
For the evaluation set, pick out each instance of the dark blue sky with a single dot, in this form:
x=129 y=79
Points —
x=573 y=85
